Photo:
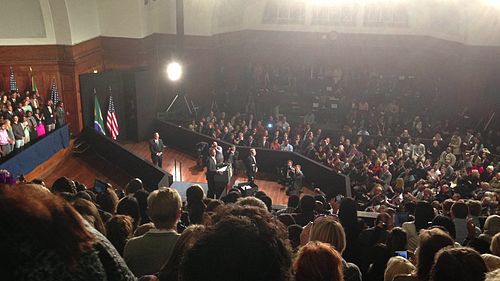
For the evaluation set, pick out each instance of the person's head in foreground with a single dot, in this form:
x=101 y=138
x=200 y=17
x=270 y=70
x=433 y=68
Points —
x=318 y=261
x=245 y=243
x=431 y=241
x=458 y=264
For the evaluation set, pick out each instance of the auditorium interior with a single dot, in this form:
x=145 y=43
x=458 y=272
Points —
x=354 y=140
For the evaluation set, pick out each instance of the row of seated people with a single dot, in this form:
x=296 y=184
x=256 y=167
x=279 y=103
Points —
x=69 y=232
x=24 y=119
x=460 y=163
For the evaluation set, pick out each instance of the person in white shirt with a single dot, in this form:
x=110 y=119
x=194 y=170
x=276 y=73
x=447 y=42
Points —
x=286 y=146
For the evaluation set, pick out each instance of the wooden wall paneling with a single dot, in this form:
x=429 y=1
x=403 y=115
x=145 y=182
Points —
x=466 y=71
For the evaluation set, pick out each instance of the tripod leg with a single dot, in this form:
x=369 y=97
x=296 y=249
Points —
x=172 y=103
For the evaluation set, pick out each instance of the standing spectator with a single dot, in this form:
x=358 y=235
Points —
x=40 y=122
x=195 y=206
x=170 y=271
x=328 y=230
x=424 y=214
x=431 y=241
x=60 y=114
x=5 y=141
x=318 y=261
x=147 y=253
x=248 y=239
x=459 y=264
x=49 y=116
x=119 y=229
x=397 y=266
x=53 y=242
x=17 y=129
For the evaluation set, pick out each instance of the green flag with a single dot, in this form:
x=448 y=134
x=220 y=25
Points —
x=98 y=121
x=33 y=85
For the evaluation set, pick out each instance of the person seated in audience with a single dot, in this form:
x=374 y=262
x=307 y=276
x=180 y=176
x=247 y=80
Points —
x=146 y=254
x=458 y=264
x=53 y=242
x=244 y=243
x=317 y=261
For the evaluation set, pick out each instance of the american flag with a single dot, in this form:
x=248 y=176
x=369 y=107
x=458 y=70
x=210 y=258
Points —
x=111 y=122
x=13 y=83
x=54 y=94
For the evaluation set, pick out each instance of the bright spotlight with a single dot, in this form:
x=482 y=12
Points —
x=174 y=71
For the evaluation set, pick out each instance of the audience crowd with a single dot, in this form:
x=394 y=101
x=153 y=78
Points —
x=429 y=196
x=24 y=118
x=69 y=232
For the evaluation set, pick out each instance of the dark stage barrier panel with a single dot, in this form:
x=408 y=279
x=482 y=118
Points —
x=269 y=161
x=151 y=176
x=37 y=152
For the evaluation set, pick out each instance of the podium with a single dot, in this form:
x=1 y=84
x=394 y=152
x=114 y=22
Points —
x=227 y=173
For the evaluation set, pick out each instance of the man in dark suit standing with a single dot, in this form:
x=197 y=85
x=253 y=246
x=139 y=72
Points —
x=156 y=148
x=50 y=117
x=251 y=165
x=211 y=172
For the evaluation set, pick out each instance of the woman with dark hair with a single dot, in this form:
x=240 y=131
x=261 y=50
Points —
x=397 y=240
x=90 y=213
x=446 y=223
x=431 y=241
x=424 y=214
x=244 y=243
x=380 y=255
x=170 y=271
x=142 y=200
x=119 y=229
x=459 y=264
x=195 y=206
x=348 y=217
x=129 y=206
x=305 y=212
x=318 y=261
x=44 y=238
x=107 y=200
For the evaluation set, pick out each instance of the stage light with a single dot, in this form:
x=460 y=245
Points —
x=174 y=71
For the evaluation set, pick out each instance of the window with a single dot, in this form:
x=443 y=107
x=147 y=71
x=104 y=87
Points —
x=378 y=15
x=284 y=12
x=339 y=15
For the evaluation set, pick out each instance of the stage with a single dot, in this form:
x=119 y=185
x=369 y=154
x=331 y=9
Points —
x=190 y=173
x=86 y=167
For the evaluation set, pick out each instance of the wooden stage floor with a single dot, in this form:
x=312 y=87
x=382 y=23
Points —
x=190 y=173
x=87 y=167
